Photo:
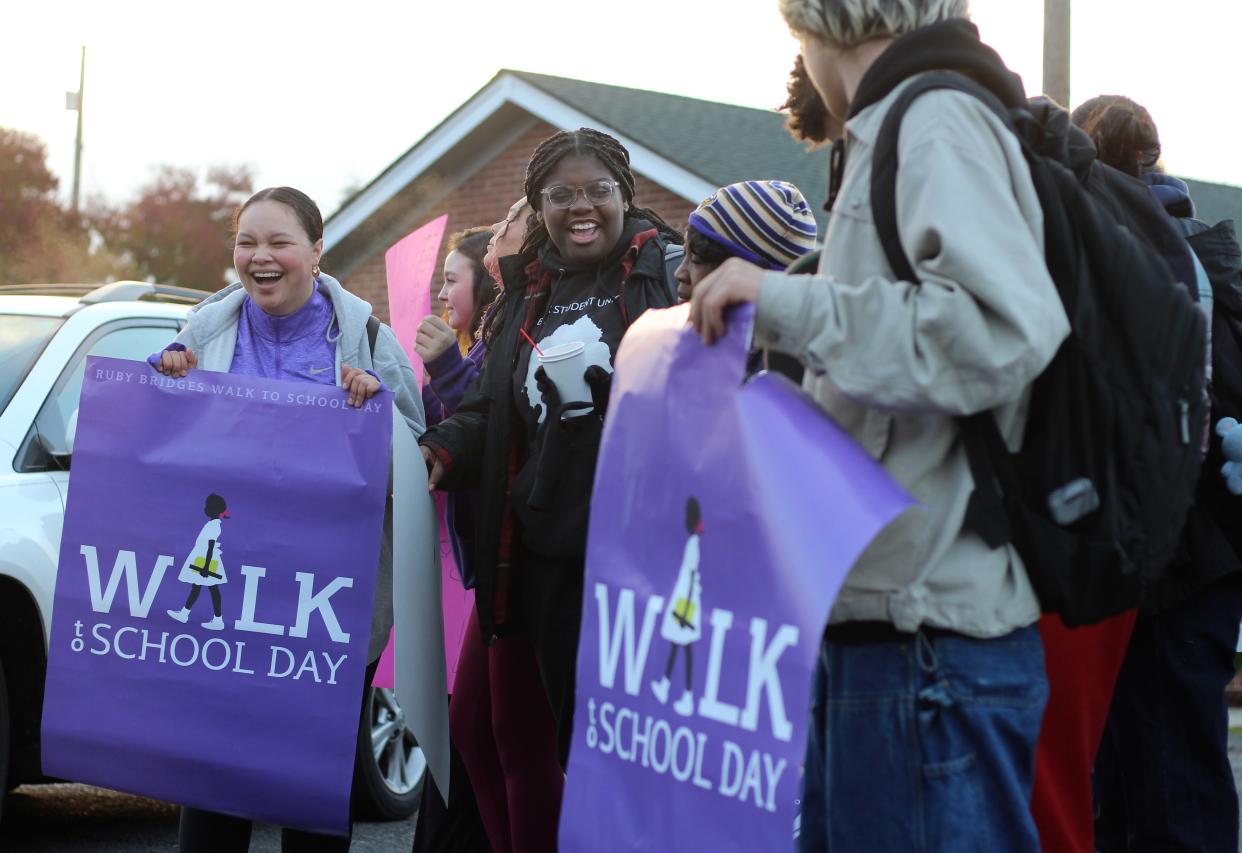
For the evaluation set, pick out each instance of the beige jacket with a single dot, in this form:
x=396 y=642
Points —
x=895 y=363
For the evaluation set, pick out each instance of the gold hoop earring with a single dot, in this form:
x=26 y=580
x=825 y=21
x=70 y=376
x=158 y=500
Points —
x=315 y=270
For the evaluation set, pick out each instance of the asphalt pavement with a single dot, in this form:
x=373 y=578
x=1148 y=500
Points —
x=84 y=819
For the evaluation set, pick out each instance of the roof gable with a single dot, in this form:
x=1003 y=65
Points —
x=689 y=146
x=722 y=143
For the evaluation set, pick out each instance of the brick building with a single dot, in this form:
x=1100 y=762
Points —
x=471 y=166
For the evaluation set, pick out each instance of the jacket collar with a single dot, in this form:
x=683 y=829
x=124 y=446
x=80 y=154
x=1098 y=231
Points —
x=951 y=45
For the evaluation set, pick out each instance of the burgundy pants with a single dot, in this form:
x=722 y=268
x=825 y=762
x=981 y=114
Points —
x=1082 y=664
x=502 y=725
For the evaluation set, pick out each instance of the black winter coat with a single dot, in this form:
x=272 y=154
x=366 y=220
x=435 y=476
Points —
x=486 y=434
x=1212 y=542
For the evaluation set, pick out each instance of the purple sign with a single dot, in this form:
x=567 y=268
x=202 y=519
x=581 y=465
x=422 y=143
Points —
x=724 y=519
x=213 y=599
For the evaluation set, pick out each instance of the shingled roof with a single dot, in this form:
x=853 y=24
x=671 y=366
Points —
x=724 y=143
x=721 y=143
x=705 y=144
x=1214 y=202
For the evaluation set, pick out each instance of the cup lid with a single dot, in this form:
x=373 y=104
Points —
x=561 y=352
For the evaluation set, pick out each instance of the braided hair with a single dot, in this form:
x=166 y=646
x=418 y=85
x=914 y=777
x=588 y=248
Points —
x=1124 y=134
x=583 y=142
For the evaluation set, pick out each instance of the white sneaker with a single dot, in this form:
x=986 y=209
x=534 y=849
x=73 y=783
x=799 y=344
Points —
x=660 y=689
x=216 y=624
x=685 y=705
x=182 y=615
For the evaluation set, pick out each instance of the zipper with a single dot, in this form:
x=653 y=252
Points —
x=1183 y=407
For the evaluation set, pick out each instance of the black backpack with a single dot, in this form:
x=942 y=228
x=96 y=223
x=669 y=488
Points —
x=1096 y=498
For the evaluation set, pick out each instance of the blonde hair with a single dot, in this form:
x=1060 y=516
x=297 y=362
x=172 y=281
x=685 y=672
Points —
x=846 y=23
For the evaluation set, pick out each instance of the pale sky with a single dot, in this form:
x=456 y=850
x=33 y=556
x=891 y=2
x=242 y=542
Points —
x=324 y=96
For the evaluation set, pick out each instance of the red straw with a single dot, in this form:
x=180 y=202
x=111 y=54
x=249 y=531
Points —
x=530 y=341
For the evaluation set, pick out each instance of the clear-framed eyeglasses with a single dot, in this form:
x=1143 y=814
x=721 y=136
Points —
x=596 y=193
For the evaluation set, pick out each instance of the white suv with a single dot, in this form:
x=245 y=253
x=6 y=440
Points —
x=46 y=332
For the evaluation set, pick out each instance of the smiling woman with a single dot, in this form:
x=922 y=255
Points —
x=591 y=262
x=286 y=319
x=279 y=241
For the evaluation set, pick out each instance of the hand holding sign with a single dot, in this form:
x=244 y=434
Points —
x=177 y=363
x=360 y=385
x=690 y=718
x=130 y=673
x=732 y=282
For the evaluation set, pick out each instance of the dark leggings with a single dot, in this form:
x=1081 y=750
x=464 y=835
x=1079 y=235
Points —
x=215 y=597
x=506 y=734
x=673 y=648
x=211 y=832
x=548 y=592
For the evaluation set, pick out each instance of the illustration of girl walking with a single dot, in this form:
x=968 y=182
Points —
x=204 y=567
x=682 y=624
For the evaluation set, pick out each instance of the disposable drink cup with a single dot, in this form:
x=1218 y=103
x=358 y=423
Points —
x=566 y=366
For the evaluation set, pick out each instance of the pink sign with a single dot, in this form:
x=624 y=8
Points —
x=411 y=266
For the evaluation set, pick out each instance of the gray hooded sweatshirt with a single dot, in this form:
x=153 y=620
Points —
x=211 y=333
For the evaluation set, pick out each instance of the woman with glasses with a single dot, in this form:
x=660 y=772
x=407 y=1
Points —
x=590 y=264
x=501 y=727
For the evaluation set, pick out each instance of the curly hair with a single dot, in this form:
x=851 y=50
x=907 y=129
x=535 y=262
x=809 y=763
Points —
x=583 y=142
x=1124 y=133
x=847 y=23
x=808 y=119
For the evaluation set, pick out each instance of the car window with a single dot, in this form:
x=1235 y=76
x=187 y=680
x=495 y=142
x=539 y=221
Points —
x=22 y=338
x=133 y=342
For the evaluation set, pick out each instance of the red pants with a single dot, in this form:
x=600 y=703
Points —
x=1082 y=666
x=503 y=727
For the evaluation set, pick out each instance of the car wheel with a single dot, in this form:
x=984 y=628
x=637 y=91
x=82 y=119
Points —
x=4 y=739
x=389 y=766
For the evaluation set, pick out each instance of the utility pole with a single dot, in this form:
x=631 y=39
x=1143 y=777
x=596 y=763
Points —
x=73 y=101
x=1057 y=51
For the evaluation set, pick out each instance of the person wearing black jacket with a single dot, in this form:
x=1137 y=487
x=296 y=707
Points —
x=1163 y=779
x=591 y=263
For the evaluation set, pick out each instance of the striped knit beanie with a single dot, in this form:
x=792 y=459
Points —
x=765 y=222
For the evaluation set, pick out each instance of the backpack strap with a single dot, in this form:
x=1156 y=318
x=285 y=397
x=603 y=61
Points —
x=986 y=453
x=808 y=264
x=373 y=327
x=884 y=162
x=836 y=170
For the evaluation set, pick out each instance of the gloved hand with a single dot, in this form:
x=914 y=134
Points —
x=551 y=396
x=600 y=382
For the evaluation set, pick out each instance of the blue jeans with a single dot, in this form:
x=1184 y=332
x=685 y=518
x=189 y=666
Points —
x=924 y=742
